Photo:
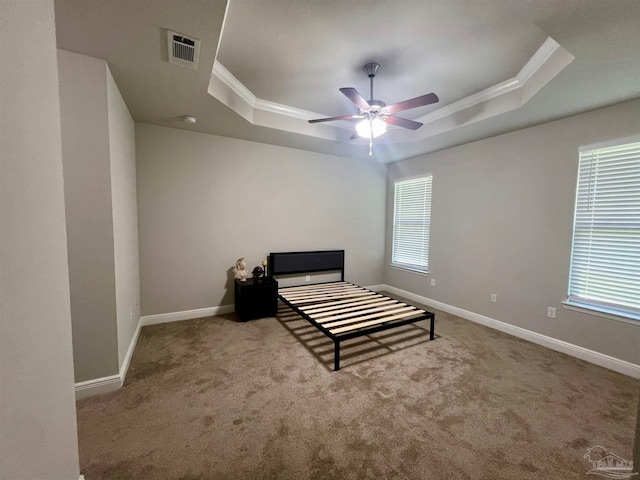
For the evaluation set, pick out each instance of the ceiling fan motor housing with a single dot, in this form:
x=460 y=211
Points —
x=371 y=69
x=377 y=106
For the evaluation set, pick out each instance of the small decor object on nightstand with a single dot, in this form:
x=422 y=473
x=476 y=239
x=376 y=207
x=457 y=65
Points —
x=264 y=266
x=241 y=270
x=258 y=272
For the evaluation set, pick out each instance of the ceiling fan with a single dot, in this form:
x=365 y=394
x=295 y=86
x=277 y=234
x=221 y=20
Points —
x=374 y=115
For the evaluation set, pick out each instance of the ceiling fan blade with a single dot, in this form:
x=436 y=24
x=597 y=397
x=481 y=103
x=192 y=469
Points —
x=357 y=99
x=331 y=119
x=427 y=99
x=403 y=122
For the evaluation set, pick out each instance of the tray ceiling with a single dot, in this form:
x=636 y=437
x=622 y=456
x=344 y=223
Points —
x=293 y=55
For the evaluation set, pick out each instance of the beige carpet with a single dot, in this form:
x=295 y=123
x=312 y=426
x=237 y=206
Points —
x=216 y=399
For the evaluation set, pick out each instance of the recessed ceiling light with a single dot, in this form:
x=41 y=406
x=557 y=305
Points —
x=189 y=119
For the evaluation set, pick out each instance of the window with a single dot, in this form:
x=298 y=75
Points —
x=411 y=221
x=605 y=259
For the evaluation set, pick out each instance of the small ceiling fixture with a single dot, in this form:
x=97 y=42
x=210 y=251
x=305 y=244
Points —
x=374 y=115
x=189 y=119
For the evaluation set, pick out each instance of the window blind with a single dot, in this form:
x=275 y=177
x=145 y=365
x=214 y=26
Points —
x=411 y=223
x=605 y=259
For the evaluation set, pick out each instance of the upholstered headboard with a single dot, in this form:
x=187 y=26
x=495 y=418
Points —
x=289 y=263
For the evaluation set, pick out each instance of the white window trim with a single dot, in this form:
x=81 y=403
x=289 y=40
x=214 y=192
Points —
x=601 y=312
x=609 y=143
x=404 y=267
x=424 y=273
x=613 y=313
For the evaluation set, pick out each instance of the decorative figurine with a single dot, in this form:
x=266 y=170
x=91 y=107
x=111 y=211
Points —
x=257 y=273
x=241 y=269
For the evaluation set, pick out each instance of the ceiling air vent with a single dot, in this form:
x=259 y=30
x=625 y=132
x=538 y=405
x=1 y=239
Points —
x=183 y=50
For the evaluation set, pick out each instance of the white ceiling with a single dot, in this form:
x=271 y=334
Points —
x=297 y=53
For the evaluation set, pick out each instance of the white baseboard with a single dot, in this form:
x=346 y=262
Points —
x=186 y=315
x=606 y=361
x=124 y=368
x=98 y=386
x=102 y=385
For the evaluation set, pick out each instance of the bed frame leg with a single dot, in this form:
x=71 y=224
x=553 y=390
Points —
x=431 y=329
x=336 y=355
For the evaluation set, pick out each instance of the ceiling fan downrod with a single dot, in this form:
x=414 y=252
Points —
x=371 y=69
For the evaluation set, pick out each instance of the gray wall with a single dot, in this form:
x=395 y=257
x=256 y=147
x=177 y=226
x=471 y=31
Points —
x=38 y=437
x=87 y=185
x=204 y=201
x=122 y=149
x=98 y=146
x=502 y=219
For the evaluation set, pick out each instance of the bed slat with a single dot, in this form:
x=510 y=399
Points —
x=337 y=323
x=331 y=297
x=359 y=312
x=321 y=294
x=374 y=322
x=320 y=307
x=349 y=307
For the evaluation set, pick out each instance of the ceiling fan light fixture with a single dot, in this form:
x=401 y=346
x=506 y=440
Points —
x=371 y=128
x=377 y=113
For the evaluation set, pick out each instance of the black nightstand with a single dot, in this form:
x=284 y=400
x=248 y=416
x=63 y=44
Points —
x=256 y=298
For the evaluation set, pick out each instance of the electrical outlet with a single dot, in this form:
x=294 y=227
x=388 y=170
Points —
x=551 y=312
x=494 y=297
x=308 y=278
x=433 y=282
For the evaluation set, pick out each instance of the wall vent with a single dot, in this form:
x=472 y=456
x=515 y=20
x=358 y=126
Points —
x=183 y=50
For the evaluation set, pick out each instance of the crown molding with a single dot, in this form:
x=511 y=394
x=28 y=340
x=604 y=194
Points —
x=535 y=63
x=258 y=103
x=226 y=88
x=471 y=101
x=549 y=60
x=281 y=109
x=233 y=83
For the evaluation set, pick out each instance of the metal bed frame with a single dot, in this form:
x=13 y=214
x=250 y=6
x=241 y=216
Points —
x=341 y=310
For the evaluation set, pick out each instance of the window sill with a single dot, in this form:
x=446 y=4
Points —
x=601 y=312
x=410 y=270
